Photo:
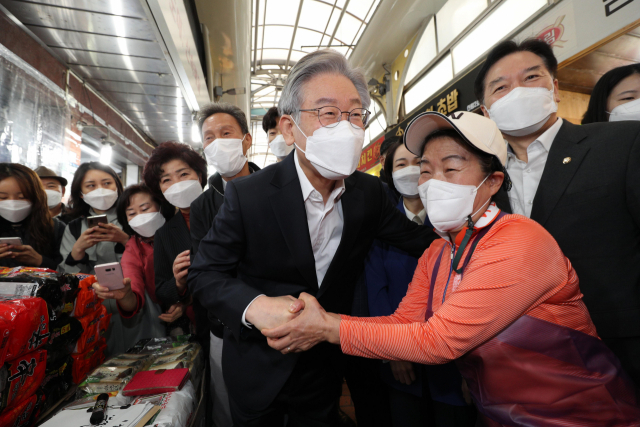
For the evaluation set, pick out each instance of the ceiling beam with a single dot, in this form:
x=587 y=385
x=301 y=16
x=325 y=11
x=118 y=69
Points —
x=293 y=38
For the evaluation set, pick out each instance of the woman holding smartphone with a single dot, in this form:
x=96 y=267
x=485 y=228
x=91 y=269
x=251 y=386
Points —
x=178 y=174
x=94 y=192
x=141 y=214
x=25 y=217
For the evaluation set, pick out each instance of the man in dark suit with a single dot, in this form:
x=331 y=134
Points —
x=302 y=225
x=217 y=121
x=582 y=183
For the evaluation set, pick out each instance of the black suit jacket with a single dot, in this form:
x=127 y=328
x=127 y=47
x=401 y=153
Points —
x=259 y=244
x=203 y=211
x=589 y=200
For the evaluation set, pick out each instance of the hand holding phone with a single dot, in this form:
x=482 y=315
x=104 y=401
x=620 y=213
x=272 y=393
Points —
x=110 y=276
x=93 y=221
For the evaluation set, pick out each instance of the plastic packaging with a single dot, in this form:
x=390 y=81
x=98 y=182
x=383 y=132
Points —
x=28 y=323
x=21 y=377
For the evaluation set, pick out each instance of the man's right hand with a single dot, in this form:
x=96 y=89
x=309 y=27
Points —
x=270 y=312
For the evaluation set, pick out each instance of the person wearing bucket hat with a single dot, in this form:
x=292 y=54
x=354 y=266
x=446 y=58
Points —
x=55 y=187
x=495 y=294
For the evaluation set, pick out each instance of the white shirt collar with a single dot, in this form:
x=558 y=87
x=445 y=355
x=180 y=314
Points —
x=545 y=140
x=224 y=184
x=422 y=214
x=306 y=186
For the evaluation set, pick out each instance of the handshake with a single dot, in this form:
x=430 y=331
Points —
x=293 y=325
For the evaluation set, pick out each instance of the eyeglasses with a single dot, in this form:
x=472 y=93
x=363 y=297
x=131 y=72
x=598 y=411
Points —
x=330 y=116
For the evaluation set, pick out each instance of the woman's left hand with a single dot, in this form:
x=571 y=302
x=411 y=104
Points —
x=313 y=326
x=174 y=313
x=110 y=233
x=26 y=255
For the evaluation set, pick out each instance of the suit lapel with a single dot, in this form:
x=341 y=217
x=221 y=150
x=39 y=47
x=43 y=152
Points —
x=288 y=206
x=565 y=156
x=353 y=214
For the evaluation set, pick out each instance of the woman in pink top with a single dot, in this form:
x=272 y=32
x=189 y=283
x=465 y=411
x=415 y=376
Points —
x=141 y=214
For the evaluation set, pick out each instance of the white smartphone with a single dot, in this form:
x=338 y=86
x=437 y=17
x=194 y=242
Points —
x=110 y=275
x=15 y=241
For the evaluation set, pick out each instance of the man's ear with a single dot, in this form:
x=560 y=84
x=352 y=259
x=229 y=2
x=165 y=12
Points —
x=556 y=91
x=246 y=144
x=286 y=129
x=485 y=112
x=64 y=189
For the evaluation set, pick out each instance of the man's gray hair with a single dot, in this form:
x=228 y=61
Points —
x=223 y=107
x=311 y=65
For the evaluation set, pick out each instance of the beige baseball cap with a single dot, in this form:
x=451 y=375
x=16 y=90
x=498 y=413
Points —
x=475 y=129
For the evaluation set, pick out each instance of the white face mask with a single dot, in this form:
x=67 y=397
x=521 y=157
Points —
x=15 y=210
x=183 y=193
x=524 y=110
x=279 y=147
x=54 y=197
x=101 y=198
x=146 y=224
x=406 y=181
x=335 y=151
x=628 y=111
x=448 y=205
x=225 y=154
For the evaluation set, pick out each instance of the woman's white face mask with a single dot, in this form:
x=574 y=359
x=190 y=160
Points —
x=146 y=224
x=183 y=193
x=15 y=210
x=627 y=111
x=101 y=199
x=406 y=181
x=449 y=205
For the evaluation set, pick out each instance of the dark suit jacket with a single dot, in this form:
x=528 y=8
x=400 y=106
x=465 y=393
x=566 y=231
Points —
x=260 y=244
x=591 y=206
x=203 y=211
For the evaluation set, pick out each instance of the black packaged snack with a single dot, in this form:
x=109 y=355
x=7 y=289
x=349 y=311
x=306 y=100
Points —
x=64 y=334
x=58 y=290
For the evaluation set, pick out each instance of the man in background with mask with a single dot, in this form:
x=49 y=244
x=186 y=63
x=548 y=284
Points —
x=55 y=187
x=304 y=224
x=226 y=140
x=270 y=125
x=582 y=183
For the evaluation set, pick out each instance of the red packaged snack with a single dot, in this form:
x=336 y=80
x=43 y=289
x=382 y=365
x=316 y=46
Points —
x=86 y=301
x=21 y=378
x=94 y=329
x=21 y=414
x=84 y=363
x=29 y=324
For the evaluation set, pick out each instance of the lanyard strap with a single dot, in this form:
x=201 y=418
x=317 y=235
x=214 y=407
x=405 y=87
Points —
x=456 y=260
x=433 y=284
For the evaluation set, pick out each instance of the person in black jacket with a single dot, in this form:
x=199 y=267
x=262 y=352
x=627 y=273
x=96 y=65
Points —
x=302 y=225
x=24 y=213
x=226 y=121
x=581 y=183
x=175 y=173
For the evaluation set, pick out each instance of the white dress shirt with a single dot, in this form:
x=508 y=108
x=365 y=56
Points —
x=418 y=219
x=526 y=176
x=325 y=222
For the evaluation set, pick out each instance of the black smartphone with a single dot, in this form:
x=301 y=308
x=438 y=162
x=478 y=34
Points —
x=93 y=221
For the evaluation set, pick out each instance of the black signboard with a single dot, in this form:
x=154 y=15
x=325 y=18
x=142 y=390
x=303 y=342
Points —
x=457 y=96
